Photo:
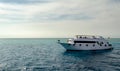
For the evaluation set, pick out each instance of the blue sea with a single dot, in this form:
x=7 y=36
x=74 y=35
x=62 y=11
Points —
x=45 y=54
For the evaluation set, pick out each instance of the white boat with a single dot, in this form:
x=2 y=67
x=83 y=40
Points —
x=86 y=42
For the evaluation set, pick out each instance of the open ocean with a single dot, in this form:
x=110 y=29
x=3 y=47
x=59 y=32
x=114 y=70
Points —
x=42 y=54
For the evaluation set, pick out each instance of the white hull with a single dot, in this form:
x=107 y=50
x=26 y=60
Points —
x=84 y=47
x=83 y=42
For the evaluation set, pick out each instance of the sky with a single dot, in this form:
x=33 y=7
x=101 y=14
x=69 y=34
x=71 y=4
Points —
x=59 y=18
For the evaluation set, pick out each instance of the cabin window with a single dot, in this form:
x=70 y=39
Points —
x=93 y=45
x=84 y=41
x=105 y=45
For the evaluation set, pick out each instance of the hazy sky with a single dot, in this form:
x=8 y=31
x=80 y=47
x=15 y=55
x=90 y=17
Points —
x=59 y=18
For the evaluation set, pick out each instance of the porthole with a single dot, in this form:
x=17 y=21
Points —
x=97 y=42
x=86 y=44
x=100 y=44
x=79 y=44
x=73 y=44
x=110 y=44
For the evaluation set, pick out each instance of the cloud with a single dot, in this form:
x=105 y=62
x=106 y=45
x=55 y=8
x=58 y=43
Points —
x=60 y=17
x=114 y=1
x=25 y=1
x=49 y=17
x=53 y=11
x=23 y=13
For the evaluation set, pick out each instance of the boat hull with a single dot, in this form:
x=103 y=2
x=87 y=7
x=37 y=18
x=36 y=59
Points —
x=83 y=47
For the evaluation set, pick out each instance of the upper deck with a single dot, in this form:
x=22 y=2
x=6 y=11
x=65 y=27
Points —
x=86 y=39
x=89 y=36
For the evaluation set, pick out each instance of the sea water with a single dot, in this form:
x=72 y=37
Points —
x=45 y=54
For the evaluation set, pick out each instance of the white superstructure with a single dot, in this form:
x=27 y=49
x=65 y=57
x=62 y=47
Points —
x=87 y=42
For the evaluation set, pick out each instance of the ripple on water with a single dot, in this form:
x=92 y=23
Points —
x=47 y=55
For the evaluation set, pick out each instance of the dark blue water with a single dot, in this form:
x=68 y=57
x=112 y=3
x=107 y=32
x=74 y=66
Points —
x=48 y=55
